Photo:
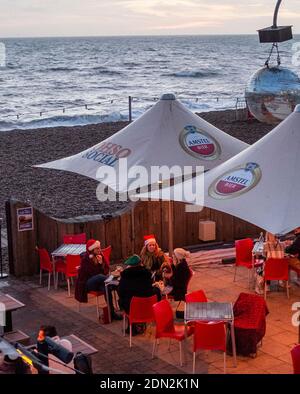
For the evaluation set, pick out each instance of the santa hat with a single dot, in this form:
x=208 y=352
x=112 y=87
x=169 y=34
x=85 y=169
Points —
x=148 y=239
x=91 y=245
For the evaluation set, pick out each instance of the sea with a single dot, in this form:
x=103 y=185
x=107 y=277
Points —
x=47 y=82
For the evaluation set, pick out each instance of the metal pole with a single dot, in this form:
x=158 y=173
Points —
x=276 y=14
x=132 y=230
x=129 y=108
x=170 y=225
x=2 y=275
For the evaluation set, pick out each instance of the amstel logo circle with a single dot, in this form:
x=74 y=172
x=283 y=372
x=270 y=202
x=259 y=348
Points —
x=199 y=143
x=236 y=181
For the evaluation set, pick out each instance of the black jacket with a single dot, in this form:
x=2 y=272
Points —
x=180 y=279
x=135 y=281
x=295 y=247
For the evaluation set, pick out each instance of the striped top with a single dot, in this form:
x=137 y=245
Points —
x=274 y=250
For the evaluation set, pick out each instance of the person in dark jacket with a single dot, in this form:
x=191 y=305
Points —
x=294 y=250
x=92 y=274
x=135 y=281
x=180 y=274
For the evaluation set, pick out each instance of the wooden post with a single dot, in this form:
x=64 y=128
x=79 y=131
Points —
x=170 y=225
x=132 y=231
x=25 y=259
x=9 y=237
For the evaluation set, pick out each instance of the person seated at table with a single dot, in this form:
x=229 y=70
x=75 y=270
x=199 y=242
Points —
x=179 y=275
x=273 y=248
x=135 y=281
x=294 y=250
x=14 y=366
x=93 y=272
x=153 y=257
x=53 y=362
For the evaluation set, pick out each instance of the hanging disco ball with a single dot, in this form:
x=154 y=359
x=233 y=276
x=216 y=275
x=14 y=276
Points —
x=272 y=94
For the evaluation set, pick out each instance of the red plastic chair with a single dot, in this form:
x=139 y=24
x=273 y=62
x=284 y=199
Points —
x=74 y=238
x=97 y=294
x=209 y=336
x=47 y=265
x=165 y=327
x=295 y=353
x=69 y=269
x=277 y=269
x=244 y=258
x=106 y=253
x=141 y=311
x=196 y=296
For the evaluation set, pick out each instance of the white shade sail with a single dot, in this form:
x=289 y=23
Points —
x=168 y=134
x=260 y=184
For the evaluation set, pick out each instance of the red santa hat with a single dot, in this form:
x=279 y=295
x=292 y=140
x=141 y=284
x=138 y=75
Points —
x=148 y=239
x=91 y=245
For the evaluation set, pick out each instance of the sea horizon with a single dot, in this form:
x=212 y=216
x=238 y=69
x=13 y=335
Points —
x=67 y=81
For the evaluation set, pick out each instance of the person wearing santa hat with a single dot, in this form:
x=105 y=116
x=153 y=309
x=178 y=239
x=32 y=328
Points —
x=93 y=272
x=153 y=257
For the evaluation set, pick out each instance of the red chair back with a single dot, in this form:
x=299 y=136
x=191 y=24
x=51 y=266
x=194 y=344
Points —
x=163 y=316
x=72 y=264
x=277 y=269
x=196 y=296
x=295 y=353
x=210 y=336
x=141 y=310
x=106 y=253
x=74 y=238
x=243 y=249
x=45 y=262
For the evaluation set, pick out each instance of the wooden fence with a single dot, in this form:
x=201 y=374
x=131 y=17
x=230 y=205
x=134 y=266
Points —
x=124 y=231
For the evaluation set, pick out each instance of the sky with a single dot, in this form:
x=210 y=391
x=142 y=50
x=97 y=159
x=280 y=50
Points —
x=38 y=18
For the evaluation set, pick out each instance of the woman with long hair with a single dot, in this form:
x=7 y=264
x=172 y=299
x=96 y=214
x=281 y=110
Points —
x=153 y=257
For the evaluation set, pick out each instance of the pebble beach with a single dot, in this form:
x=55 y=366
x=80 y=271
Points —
x=65 y=195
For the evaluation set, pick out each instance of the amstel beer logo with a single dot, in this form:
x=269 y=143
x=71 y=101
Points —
x=236 y=182
x=199 y=143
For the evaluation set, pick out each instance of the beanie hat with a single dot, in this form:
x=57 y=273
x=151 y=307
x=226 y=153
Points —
x=148 y=239
x=181 y=253
x=91 y=245
x=133 y=260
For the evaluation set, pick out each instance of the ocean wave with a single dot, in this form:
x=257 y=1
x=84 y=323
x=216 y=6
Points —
x=58 y=69
x=67 y=121
x=110 y=72
x=193 y=74
x=131 y=64
x=12 y=66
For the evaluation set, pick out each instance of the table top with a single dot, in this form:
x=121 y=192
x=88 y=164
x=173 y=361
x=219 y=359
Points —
x=65 y=249
x=208 y=311
x=78 y=345
x=11 y=304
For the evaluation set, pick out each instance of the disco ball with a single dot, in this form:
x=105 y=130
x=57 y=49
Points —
x=272 y=94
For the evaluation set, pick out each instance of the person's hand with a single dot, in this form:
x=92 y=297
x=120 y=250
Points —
x=99 y=259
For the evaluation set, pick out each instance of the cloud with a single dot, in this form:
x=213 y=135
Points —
x=119 y=17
